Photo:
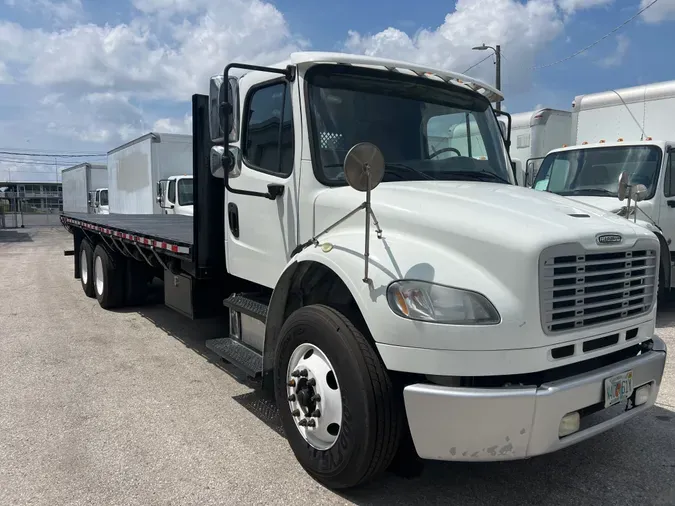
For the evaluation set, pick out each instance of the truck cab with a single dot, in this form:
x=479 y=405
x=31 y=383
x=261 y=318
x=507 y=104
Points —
x=590 y=174
x=175 y=195
x=98 y=201
x=464 y=286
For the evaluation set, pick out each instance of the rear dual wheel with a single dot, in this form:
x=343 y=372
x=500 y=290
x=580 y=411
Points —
x=109 y=278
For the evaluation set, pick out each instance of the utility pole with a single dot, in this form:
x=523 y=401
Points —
x=498 y=63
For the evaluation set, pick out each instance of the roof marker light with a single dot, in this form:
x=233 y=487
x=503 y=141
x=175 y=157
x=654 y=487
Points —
x=602 y=141
x=648 y=139
x=564 y=145
x=584 y=143
x=620 y=139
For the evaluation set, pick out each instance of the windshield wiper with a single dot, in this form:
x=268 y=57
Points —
x=408 y=167
x=590 y=191
x=483 y=175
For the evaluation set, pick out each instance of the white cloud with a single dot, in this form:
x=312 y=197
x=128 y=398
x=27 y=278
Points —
x=522 y=29
x=616 y=58
x=174 y=126
x=570 y=6
x=663 y=10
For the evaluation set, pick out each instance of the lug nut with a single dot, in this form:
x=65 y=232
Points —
x=291 y=398
x=295 y=412
x=303 y=422
x=311 y=382
x=303 y=373
x=315 y=398
x=295 y=374
x=291 y=383
x=311 y=423
x=316 y=413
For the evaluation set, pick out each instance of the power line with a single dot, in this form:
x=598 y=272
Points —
x=54 y=155
x=599 y=40
x=477 y=63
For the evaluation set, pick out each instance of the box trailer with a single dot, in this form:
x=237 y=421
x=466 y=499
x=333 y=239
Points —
x=535 y=133
x=397 y=306
x=79 y=182
x=136 y=168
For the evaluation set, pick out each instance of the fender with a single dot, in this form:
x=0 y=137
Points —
x=665 y=262
x=393 y=257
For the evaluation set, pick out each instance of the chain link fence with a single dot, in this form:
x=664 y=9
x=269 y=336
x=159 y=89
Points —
x=17 y=212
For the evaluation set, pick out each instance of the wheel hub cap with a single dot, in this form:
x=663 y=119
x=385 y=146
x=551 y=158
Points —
x=84 y=274
x=314 y=396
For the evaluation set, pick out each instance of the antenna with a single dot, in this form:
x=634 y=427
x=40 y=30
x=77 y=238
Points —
x=631 y=114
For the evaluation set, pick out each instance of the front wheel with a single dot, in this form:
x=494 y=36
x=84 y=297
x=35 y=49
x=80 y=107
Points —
x=340 y=412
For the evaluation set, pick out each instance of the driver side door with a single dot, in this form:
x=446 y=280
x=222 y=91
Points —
x=261 y=233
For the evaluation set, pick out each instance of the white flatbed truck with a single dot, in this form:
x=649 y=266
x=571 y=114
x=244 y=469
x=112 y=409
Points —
x=399 y=318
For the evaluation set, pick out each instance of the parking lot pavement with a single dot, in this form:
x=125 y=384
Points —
x=126 y=408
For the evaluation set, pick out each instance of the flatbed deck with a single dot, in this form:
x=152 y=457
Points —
x=172 y=232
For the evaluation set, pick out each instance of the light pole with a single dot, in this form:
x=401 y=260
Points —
x=498 y=55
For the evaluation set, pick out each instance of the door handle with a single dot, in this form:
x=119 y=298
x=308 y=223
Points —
x=671 y=203
x=233 y=218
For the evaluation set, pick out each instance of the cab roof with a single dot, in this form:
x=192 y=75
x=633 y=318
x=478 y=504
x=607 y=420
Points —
x=314 y=57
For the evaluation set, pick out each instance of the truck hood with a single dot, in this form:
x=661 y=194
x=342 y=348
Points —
x=487 y=213
x=484 y=237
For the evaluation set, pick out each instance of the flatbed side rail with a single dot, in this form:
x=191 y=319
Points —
x=177 y=249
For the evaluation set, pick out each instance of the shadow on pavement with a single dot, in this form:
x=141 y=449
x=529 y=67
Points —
x=15 y=236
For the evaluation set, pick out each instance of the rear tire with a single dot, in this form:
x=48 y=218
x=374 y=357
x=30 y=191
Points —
x=371 y=410
x=109 y=277
x=87 y=267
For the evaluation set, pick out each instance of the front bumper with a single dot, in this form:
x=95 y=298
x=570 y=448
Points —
x=484 y=424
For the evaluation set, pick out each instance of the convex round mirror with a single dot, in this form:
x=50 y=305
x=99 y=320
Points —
x=364 y=166
x=639 y=192
x=622 y=191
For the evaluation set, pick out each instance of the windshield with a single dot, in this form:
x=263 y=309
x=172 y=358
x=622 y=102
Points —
x=595 y=171
x=103 y=198
x=424 y=130
x=185 y=197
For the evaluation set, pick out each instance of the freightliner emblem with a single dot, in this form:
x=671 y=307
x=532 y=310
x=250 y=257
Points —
x=608 y=239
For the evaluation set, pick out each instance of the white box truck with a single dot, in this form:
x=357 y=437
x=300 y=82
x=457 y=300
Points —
x=395 y=305
x=80 y=182
x=627 y=131
x=136 y=168
x=535 y=133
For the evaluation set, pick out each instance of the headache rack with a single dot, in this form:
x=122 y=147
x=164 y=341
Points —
x=580 y=288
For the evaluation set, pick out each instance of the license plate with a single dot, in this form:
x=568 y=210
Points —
x=618 y=388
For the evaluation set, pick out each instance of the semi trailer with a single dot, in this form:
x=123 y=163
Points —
x=372 y=286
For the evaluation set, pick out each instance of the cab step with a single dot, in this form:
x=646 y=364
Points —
x=238 y=354
x=252 y=305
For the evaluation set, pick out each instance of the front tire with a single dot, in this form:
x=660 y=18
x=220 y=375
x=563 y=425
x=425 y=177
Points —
x=319 y=345
x=109 y=278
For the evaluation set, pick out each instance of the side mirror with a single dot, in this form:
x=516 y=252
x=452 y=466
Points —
x=622 y=190
x=225 y=164
x=159 y=193
x=639 y=192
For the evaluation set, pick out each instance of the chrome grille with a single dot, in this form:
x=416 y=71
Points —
x=580 y=288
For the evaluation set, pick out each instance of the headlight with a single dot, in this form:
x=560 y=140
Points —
x=420 y=300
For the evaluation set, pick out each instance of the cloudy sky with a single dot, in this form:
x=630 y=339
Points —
x=85 y=75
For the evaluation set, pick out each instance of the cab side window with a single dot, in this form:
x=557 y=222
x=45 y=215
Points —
x=268 y=133
x=171 y=197
x=669 y=180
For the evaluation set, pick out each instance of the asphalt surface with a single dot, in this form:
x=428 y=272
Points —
x=128 y=408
